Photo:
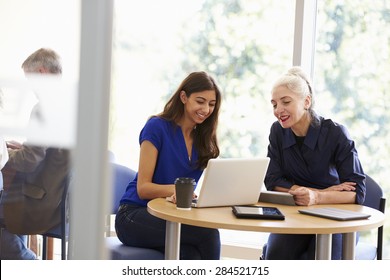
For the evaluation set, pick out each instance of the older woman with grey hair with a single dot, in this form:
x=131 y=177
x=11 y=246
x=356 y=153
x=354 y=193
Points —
x=312 y=158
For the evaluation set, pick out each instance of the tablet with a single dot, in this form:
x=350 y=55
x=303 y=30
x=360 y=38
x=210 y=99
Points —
x=277 y=197
x=257 y=212
x=335 y=214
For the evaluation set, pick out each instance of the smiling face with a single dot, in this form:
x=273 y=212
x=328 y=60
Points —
x=291 y=110
x=199 y=105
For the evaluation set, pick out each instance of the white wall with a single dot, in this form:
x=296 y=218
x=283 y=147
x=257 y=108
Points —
x=29 y=25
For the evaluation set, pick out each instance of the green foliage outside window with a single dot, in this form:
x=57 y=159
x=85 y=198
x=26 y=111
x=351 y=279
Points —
x=352 y=78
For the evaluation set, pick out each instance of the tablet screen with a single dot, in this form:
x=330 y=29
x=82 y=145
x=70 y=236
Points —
x=257 y=212
x=250 y=210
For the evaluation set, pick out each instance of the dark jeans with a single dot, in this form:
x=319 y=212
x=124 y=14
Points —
x=136 y=227
x=13 y=246
x=298 y=247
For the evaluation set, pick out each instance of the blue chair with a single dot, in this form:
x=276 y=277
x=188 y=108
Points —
x=376 y=200
x=122 y=175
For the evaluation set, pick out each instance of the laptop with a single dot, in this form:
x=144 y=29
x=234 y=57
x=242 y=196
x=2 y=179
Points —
x=231 y=181
x=277 y=197
x=335 y=214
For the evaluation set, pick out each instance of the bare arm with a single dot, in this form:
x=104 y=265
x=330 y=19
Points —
x=342 y=193
x=145 y=187
x=306 y=196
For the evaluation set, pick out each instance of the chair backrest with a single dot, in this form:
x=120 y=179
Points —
x=374 y=195
x=376 y=200
x=121 y=176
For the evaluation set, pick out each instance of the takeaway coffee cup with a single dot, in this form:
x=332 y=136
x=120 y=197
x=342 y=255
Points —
x=184 y=191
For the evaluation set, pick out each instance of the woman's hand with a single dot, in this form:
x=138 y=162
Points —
x=334 y=194
x=346 y=186
x=304 y=196
x=172 y=198
x=14 y=145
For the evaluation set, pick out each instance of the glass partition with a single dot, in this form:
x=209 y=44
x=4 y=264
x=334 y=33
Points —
x=38 y=112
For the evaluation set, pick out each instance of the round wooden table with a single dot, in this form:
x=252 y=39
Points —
x=294 y=223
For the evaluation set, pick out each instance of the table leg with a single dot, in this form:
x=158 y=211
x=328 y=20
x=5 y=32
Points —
x=323 y=246
x=349 y=242
x=172 y=240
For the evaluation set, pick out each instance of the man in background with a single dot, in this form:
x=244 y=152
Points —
x=32 y=175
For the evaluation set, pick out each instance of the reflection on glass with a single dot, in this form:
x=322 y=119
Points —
x=36 y=108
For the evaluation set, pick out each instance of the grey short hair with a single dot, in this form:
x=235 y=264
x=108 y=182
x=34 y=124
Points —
x=44 y=57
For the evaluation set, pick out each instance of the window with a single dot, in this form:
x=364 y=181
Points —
x=351 y=78
x=244 y=44
x=238 y=42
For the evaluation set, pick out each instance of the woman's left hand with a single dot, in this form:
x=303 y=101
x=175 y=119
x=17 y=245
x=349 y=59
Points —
x=346 y=186
x=172 y=198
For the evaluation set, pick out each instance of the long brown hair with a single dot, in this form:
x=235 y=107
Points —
x=205 y=134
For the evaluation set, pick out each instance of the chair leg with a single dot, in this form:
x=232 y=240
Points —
x=380 y=243
x=63 y=248
x=44 y=247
